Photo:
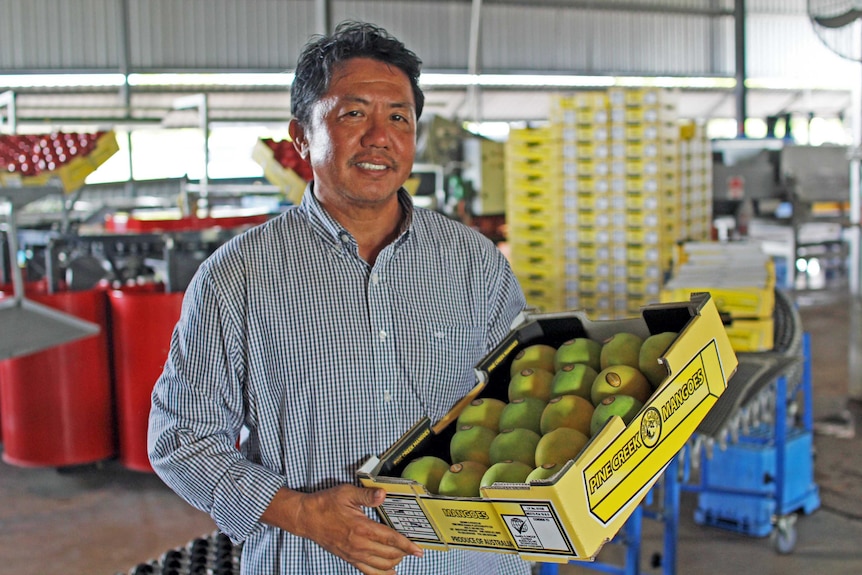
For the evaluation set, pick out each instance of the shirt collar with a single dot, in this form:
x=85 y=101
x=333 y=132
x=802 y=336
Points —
x=335 y=232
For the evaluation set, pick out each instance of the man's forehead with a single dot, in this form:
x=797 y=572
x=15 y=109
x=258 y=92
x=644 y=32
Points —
x=368 y=70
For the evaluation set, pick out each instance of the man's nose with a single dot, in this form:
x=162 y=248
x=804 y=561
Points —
x=376 y=133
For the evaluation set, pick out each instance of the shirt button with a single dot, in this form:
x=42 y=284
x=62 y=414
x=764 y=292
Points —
x=382 y=334
x=344 y=237
x=375 y=279
x=387 y=397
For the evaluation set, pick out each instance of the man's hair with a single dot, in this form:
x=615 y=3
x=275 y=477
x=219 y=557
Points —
x=350 y=40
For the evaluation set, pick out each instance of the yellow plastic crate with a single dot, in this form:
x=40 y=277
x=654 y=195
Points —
x=106 y=146
x=534 y=136
x=73 y=173
x=750 y=335
x=741 y=302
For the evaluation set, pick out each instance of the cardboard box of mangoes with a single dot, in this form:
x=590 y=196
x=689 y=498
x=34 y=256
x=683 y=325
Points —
x=572 y=421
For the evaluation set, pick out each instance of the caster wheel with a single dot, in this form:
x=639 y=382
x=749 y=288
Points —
x=785 y=534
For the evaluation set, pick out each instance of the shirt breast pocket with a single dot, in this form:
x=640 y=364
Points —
x=443 y=362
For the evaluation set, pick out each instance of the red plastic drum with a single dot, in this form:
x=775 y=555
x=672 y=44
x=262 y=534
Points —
x=57 y=404
x=142 y=325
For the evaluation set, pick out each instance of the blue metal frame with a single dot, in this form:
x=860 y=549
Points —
x=777 y=438
x=630 y=534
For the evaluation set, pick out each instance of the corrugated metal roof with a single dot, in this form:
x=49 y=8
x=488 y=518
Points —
x=627 y=37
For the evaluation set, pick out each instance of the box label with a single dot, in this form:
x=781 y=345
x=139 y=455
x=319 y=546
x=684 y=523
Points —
x=535 y=526
x=629 y=462
x=405 y=515
x=469 y=523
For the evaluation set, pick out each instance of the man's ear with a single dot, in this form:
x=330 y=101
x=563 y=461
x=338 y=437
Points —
x=297 y=135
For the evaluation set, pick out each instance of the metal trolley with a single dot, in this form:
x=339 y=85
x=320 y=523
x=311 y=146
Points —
x=751 y=463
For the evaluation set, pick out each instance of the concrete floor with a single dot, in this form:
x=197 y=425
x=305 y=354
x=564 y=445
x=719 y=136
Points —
x=104 y=520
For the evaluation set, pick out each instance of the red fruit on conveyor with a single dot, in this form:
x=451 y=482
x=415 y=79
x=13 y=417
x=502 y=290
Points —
x=66 y=157
x=283 y=166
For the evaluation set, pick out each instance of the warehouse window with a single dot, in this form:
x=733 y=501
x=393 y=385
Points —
x=159 y=153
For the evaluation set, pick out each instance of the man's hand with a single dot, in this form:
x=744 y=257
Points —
x=334 y=519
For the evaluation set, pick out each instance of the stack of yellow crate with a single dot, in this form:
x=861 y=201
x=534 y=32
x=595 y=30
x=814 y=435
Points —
x=695 y=182
x=536 y=215
x=583 y=120
x=592 y=201
x=617 y=213
x=650 y=142
x=740 y=278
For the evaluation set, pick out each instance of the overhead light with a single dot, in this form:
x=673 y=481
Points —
x=563 y=81
x=61 y=80
x=696 y=82
x=514 y=80
x=280 y=79
x=541 y=80
x=797 y=84
x=453 y=80
x=431 y=79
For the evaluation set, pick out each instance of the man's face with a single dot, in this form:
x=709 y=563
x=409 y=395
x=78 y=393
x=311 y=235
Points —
x=361 y=141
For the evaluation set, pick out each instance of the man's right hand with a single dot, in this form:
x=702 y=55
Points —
x=334 y=519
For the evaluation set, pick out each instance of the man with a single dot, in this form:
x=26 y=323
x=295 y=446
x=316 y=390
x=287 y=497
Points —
x=328 y=332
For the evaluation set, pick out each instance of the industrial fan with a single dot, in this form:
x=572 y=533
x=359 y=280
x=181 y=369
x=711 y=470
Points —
x=833 y=22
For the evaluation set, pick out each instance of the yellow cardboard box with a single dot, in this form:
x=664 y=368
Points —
x=573 y=514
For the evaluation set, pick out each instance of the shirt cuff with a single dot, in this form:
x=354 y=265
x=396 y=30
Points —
x=241 y=497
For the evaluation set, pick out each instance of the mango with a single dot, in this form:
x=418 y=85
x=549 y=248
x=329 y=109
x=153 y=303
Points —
x=523 y=413
x=573 y=379
x=505 y=472
x=624 y=406
x=620 y=380
x=471 y=443
x=578 y=350
x=515 y=445
x=545 y=471
x=567 y=411
x=427 y=470
x=622 y=348
x=559 y=446
x=484 y=411
x=531 y=382
x=652 y=349
x=462 y=479
x=538 y=355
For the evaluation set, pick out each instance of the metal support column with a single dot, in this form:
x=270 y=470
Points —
x=323 y=16
x=201 y=103
x=739 y=45
x=474 y=91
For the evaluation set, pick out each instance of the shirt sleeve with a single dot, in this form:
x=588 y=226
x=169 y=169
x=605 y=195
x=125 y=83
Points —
x=196 y=416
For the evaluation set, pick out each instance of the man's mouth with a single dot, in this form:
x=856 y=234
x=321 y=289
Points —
x=371 y=166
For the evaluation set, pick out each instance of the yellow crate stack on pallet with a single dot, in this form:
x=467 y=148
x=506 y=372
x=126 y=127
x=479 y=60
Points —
x=536 y=215
x=695 y=170
x=583 y=120
x=593 y=201
x=650 y=145
x=740 y=278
